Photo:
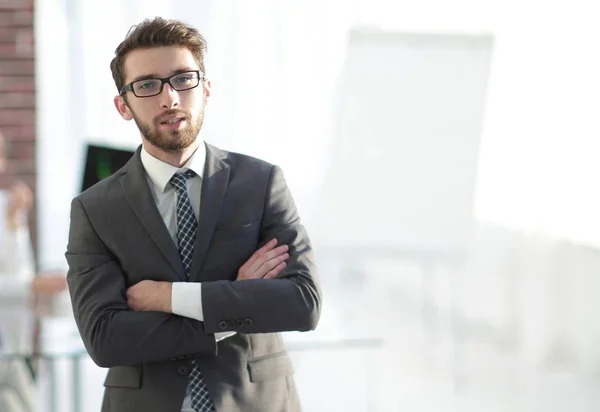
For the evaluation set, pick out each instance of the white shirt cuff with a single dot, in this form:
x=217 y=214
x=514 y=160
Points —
x=219 y=336
x=186 y=300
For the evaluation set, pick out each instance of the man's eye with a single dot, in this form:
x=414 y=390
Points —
x=147 y=85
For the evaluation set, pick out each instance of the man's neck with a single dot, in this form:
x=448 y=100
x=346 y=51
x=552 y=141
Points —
x=177 y=159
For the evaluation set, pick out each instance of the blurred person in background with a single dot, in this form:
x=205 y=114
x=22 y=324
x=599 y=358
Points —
x=19 y=289
x=17 y=262
x=185 y=264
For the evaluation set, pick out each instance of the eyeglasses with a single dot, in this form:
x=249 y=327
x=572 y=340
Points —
x=153 y=87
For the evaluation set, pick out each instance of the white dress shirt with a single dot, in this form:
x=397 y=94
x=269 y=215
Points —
x=186 y=297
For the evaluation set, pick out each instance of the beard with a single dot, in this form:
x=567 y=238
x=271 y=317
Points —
x=171 y=140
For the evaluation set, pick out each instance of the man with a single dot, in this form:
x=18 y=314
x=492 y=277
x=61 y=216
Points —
x=165 y=287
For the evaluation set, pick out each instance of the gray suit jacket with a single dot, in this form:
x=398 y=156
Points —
x=118 y=238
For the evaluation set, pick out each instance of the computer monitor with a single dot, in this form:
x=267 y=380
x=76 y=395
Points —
x=101 y=162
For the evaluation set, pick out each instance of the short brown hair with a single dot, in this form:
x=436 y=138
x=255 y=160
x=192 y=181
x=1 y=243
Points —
x=157 y=32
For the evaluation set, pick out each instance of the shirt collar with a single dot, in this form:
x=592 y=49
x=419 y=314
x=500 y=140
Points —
x=160 y=172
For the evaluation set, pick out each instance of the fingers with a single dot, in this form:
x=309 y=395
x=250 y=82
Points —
x=268 y=260
x=264 y=258
x=268 y=246
x=276 y=252
x=271 y=264
x=275 y=271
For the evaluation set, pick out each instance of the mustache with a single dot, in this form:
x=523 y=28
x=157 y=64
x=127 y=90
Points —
x=170 y=113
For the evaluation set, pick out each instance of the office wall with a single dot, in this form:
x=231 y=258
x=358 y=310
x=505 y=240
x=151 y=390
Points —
x=17 y=93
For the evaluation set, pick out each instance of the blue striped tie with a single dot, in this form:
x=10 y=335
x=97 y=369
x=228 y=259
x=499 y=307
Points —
x=186 y=236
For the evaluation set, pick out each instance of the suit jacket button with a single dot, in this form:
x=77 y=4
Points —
x=182 y=370
x=231 y=324
x=240 y=323
x=223 y=325
x=248 y=322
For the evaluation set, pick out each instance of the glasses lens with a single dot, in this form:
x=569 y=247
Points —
x=184 y=81
x=147 y=87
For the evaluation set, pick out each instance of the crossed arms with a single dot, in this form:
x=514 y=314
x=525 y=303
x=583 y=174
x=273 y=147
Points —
x=115 y=334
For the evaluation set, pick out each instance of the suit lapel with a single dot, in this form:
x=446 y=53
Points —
x=140 y=199
x=214 y=187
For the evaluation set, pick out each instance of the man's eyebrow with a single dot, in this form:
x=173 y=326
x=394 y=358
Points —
x=156 y=76
x=145 y=77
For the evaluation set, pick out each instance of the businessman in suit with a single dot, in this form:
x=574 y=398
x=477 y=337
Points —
x=186 y=264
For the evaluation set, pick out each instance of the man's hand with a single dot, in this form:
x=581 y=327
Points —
x=267 y=262
x=150 y=296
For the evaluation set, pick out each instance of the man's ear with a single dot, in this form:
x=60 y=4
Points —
x=206 y=84
x=122 y=108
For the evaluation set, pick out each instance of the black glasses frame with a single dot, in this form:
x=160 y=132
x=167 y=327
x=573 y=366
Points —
x=163 y=81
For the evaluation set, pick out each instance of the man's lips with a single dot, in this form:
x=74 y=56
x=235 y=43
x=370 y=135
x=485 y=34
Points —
x=172 y=118
x=173 y=121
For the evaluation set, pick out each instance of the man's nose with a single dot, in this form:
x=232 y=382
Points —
x=169 y=97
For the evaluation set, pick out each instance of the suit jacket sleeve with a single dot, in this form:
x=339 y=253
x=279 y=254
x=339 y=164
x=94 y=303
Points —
x=292 y=301
x=113 y=334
